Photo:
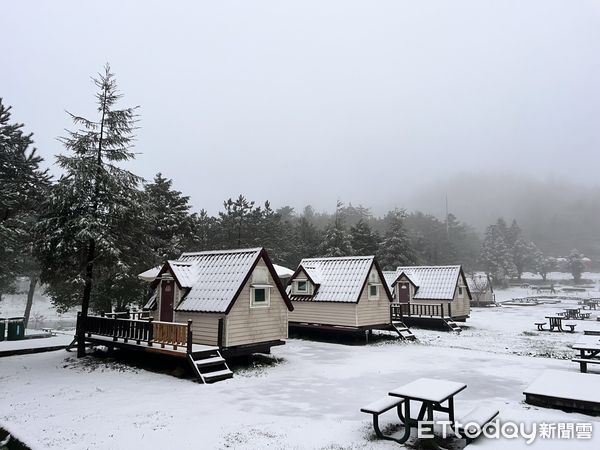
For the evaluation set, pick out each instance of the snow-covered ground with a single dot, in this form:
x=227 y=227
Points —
x=309 y=397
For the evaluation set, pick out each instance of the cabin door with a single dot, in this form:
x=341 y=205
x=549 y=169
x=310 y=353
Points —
x=166 y=300
x=403 y=292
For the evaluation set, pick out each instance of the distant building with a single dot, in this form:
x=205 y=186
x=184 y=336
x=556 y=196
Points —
x=440 y=291
x=482 y=290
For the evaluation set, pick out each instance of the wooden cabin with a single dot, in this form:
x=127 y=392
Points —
x=343 y=293
x=233 y=297
x=482 y=291
x=430 y=292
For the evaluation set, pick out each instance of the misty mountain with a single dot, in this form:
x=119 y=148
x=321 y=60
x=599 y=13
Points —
x=557 y=215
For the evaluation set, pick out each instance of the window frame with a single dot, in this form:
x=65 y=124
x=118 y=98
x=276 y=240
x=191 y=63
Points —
x=373 y=296
x=299 y=291
x=266 y=303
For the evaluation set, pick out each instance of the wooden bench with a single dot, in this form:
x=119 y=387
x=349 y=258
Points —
x=380 y=406
x=583 y=362
x=592 y=332
x=540 y=325
x=571 y=326
x=471 y=425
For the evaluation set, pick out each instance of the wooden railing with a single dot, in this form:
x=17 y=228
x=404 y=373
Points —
x=147 y=332
x=438 y=310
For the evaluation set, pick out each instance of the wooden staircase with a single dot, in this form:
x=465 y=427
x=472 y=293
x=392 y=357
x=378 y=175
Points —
x=403 y=331
x=452 y=325
x=209 y=365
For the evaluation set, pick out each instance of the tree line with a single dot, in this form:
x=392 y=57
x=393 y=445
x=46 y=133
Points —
x=87 y=235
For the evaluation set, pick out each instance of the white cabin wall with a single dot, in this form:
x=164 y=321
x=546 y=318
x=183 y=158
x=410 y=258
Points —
x=246 y=325
x=373 y=312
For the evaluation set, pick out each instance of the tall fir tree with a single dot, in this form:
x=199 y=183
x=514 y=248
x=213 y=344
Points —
x=363 y=239
x=170 y=225
x=336 y=239
x=92 y=233
x=496 y=256
x=396 y=249
x=24 y=185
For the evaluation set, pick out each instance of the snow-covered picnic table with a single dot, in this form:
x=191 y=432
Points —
x=589 y=349
x=555 y=322
x=431 y=393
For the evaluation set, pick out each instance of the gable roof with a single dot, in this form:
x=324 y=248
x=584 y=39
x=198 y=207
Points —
x=213 y=279
x=433 y=282
x=479 y=282
x=338 y=279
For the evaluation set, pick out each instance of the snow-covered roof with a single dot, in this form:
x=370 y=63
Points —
x=150 y=274
x=213 y=279
x=433 y=282
x=479 y=282
x=390 y=277
x=283 y=272
x=337 y=279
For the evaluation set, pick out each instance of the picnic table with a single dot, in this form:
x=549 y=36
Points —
x=589 y=349
x=431 y=393
x=555 y=322
x=572 y=313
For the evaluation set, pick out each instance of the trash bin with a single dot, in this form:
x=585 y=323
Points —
x=15 y=329
x=2 y=328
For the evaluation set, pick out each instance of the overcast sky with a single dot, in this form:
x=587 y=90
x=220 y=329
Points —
x=310 y=101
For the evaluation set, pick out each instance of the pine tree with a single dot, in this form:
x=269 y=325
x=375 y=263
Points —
x=396 y=249
x=24 y=185
x=363 y=239
x=496 y=256
x=336 y=239
x=170 y=224
x=576 y=266
x=91 y=229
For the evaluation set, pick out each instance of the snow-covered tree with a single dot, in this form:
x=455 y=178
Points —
x=23 y=186
x=496 y=257
x=576 y=266
x=363 y=239
x=395 y=249
x=170 y=224
x=92 y=227
x=542 y=264
x=336 y=239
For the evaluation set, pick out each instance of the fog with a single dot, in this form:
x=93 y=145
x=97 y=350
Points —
x=378 y=103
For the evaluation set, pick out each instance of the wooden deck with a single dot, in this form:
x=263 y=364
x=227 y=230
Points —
x=569 y=391
x=430 y=315
x=149 y=336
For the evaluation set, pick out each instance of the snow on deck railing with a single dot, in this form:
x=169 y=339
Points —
x=148 y=331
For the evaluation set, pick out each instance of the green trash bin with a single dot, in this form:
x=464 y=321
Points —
x=15 y=329
x=2 y=328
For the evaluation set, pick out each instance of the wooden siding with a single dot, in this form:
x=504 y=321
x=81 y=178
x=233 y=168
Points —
x=373 y=312
x=325 y=313
x=247 y=325
x=205 y=326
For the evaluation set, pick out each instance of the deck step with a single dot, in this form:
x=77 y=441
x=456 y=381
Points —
x=215 y=360
x=217 y=375
x=403 y=331
x=208 y=365
x=453 y=325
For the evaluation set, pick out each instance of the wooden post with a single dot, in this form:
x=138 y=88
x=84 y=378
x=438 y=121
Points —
x=449 y=311
x=189 y=337
x=150 y=332
x=220 y=333
x=114 y=328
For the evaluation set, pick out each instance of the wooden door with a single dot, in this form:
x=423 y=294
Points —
x=166 y=300
x=403 y=292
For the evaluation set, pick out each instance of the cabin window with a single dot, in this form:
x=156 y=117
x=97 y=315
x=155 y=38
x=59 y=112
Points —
x=460 y=290
x=260 y=275
x=301 y=287
x=373 y=292
x=260 y=297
